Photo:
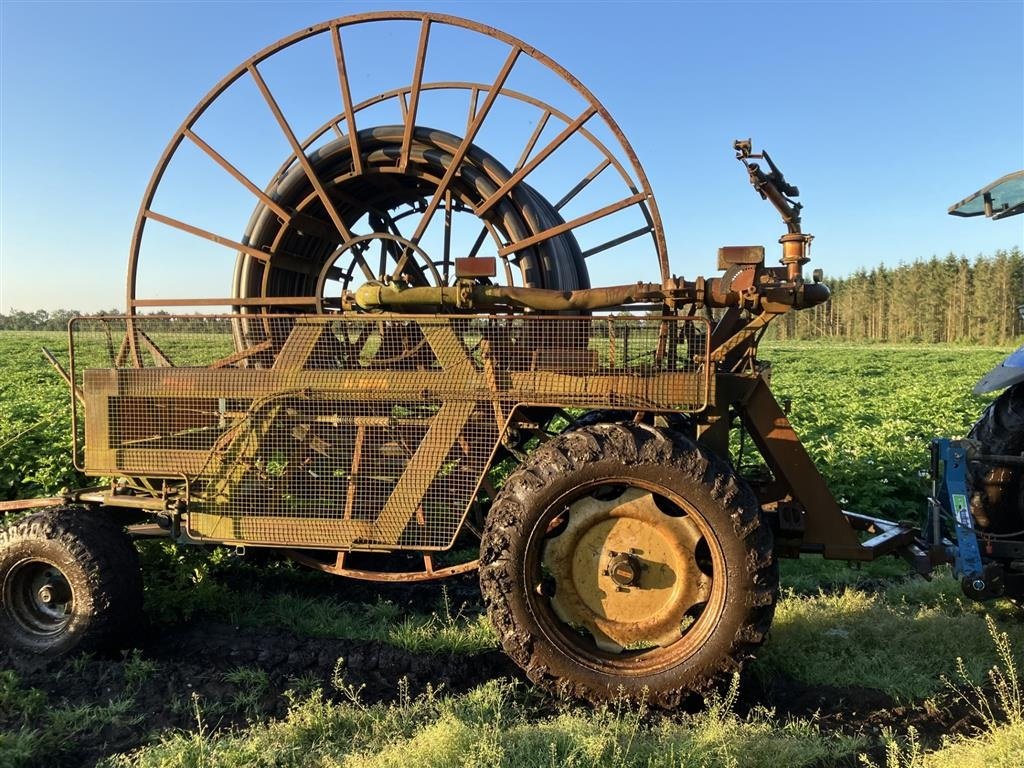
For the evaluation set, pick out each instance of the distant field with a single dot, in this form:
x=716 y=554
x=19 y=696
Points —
x=264 y=664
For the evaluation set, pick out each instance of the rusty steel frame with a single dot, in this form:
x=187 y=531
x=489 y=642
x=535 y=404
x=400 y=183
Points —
x=408 y=97
x=149 y=422
x=799 y=489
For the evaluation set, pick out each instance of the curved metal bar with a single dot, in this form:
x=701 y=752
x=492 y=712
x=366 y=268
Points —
x=398 y=576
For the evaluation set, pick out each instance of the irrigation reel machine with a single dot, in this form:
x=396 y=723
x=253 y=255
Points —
x=413 y=378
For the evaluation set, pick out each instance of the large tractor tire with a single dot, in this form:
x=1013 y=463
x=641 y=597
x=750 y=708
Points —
x=622 y=560
x=997 y=498
x=69 y=580
x=1000 y=431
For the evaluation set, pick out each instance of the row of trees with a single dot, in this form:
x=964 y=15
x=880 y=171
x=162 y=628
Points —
x=41 y=320
x=951 y=300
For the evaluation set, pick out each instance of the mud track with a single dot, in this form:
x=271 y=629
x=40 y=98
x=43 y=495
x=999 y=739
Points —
x=194 y=658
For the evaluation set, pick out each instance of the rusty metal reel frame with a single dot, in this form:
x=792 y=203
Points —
x=637 y=183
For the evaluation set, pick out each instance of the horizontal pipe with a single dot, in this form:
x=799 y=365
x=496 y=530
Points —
x=773 y=297
x=378 y=296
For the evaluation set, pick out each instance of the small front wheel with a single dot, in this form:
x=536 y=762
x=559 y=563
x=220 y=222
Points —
x=69 y=580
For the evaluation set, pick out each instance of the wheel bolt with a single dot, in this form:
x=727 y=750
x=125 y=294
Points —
x=46 y=595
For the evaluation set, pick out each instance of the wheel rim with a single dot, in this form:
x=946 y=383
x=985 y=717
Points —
x=625 y=576
x=39 y=597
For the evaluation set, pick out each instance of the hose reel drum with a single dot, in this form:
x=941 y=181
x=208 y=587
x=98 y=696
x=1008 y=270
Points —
x=395 y=183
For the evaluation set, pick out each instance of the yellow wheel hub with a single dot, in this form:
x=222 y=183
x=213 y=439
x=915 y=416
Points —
x=625 y=571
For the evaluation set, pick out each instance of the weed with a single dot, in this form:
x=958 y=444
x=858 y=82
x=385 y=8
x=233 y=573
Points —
x=15 y=701
x=1005 y=682
x=253 y=685
x=179 y=582
x=72 y=720
x=137 y=670
x=444 y=631
x=80 y=663
x=302 y=685
x=856 y=638
x=905 y=753
x=1001 y=740
x=248 y=677
x=349 y=690
x=495 y=725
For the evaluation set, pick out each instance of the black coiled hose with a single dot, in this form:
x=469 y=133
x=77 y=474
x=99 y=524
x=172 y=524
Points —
x=299 y=250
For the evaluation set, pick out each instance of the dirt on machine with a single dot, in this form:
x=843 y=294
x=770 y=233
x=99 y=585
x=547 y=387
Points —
x=410 y=376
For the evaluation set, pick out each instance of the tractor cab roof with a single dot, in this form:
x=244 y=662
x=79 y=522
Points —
x=1002 y=198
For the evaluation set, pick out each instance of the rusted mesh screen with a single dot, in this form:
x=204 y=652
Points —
x=357 y=431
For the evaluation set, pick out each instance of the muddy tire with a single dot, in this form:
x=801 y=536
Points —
x=69 y=580
x=622 y=560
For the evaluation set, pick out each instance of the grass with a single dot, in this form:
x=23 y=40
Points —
x=183 y=583
x=1001 y=740
x=496 y=724
x=999 y=747
x=34 y=731
x=137 y=670
x=809 y=574
x=901 y=641
x=902 y=638
x=502 y=724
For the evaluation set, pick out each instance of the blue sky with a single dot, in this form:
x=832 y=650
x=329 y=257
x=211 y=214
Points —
x=883 y=113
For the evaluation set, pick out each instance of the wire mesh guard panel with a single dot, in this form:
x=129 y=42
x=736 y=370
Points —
x=361 y=432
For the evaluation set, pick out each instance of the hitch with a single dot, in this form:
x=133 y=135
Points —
x=949 y=510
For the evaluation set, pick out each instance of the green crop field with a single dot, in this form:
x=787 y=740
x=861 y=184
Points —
x=246 y=662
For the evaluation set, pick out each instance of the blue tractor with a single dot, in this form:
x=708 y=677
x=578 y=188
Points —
x=976 y=508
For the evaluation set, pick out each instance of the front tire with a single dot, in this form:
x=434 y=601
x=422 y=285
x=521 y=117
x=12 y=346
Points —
x=69 y=580
x=622 y=560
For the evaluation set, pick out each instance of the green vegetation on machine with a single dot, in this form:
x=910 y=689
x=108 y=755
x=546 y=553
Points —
x=379 y=402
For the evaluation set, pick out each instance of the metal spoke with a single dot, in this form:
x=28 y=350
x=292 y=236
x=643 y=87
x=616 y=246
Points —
x=346 y=98
x=239 y=176
x=530 y=144
x=539 y=158
x=389 y=222
x=414 y=96
x=377 y=224
x=617 y=241
x=582 y=184
x=256 y=253
x=318 y=214
x=547 y=234
x=474 y=97
x=300 y=155
x=478 y=242
x=367 y=272
x=396 y=254
x=541 y=124
x=447 y=254
x=456 y=162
